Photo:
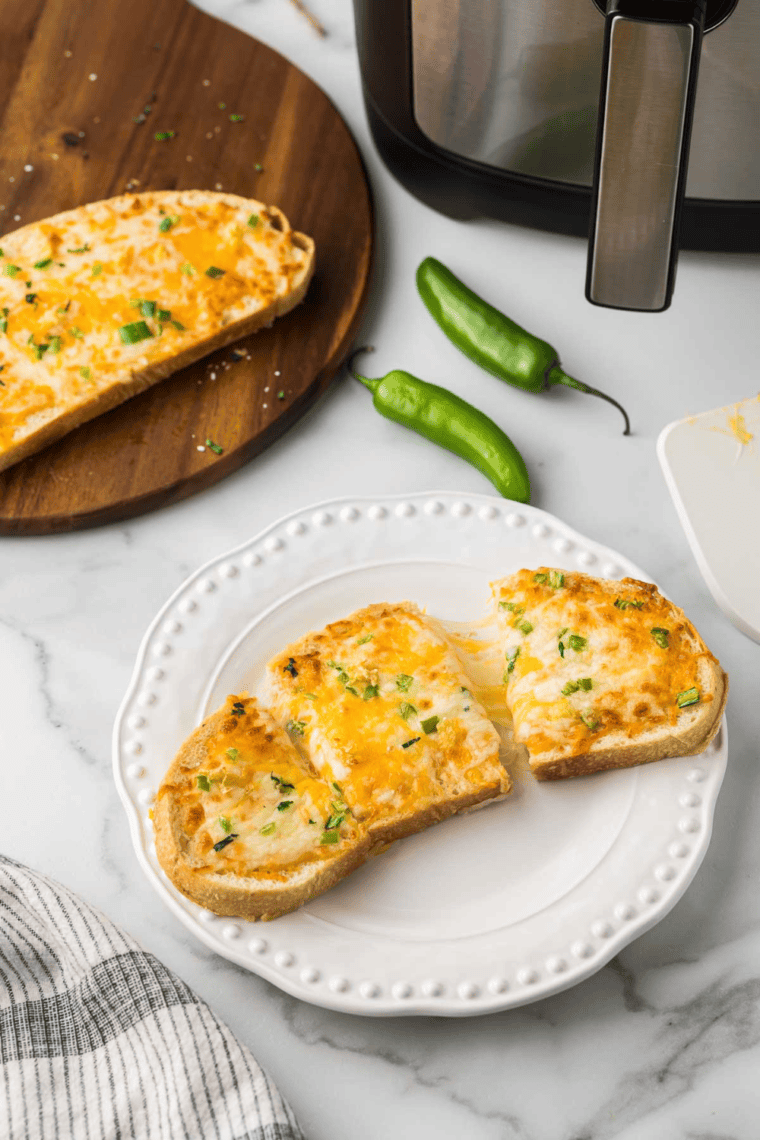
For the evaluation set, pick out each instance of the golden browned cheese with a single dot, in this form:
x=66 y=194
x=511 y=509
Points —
x=585 y=660
x=249 y=793
x=173 y=269
x=380 y=703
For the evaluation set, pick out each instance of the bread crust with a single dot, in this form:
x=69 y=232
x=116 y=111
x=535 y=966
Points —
x=132 y=382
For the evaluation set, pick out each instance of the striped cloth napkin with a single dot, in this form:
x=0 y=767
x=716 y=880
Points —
x=99 y=1041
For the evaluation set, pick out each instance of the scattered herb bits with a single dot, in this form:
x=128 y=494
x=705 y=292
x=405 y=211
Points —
x=214 y=447
x=44 y=263
x=688 y=697
x=661 y=635
x=404 y=682
x=135 y=332
x=166 y=223
x=203 y=783
x=238 y=708
x=163 y=136
x=409 y=743
x=430 y=725
x=253 y=221
x=627 y=603
x=268 y=829
x=85 y=373
x=224 y=842
x=215 y=272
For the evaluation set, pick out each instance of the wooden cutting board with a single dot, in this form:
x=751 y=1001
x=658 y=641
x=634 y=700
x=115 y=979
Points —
x=84 y=88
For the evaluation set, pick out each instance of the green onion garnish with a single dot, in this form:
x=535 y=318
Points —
x=404 y=682
x=268 y=829
x=296 y=727
x=223 y=842
x=370 y=692
x=238 y=708
x=329 y=837
x=540 y=577
x=82 y=249
x=85 y=373
x=585 y=683
x=233 y=754
x=30 y=298
x=285 y=805
x=178 y=326
x=12 y=270
x=164 y=314
x=97 y=269
x=363 y=640
x=76 y=333
x=55 y=345
x=688 y=697
x=406 y=710
x=148 y=308
x=44 y=263
x=203 y=783
x=409 y=743
x=525 y=627
x=236 y=118
x=511 y=658
x=225 y=824
x=590 y=721
x=187 y=269
x=134 y=332
x=166 y=223
x=556 y=579
x=576 y=642
x=627 y=603
x=253 y=220
x=281 y=784
x=214 y=447
x=214 y=271
x=258 y=167
x=162 y=136
x=429 y=725
x=570 y=687
x=661 y=636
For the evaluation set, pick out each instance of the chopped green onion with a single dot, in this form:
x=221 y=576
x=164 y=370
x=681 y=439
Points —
x=97 y=269
x=134 y=332
x=329 y=837
x=511 y=658
x=590 y=720
x=258 y=167
x=561 y=648
x=296 y=727
x=82 y=249
x=370 y=692
x=225 y=824
x=525 y=627
x=162 y=136
x=30 y=298
x=55 y=345
x=352 y=690
x=338 y=788
x=44 y=263
x=148 y=308
x=585 y=683
x=85 y=373
x=556 y=579
x=576 y=642
x=214 y=271
x=178 y=326
x=236 y=118
x=233 y=754
x=627 y=603
x=214 y=447
x=238 y=708
x=404 y=682
x=512 y=607
x=167 y=223
x=661 y=636
x=281 y=784
x=540 y=577
x=409 y=743
x=203 y=783
x=363 y=640
x=164 y=314
x=570 y=687
x=406 y=710
x=223 y=842
x=290 y=667
x=222 y=106
x=268 y=829
x=76 y=333
x=253 y=220
x=39 y=349
x=688 y=697
x=285 y=805
x=187 y=269
x=429 y=725
x=12 y=270
x=280 y=395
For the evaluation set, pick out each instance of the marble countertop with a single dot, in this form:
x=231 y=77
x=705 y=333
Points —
x=663 y=1042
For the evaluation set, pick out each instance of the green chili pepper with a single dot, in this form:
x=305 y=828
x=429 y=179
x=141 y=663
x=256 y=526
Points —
x=452 y=423
x=491 y=339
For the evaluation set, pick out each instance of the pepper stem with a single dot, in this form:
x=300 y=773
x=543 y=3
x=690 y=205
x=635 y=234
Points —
x=365 y=380
x=557 y=376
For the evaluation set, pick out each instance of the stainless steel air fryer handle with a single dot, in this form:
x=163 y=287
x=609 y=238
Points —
x=647 y=99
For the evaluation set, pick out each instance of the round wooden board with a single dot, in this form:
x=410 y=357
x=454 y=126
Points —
x=167 y=55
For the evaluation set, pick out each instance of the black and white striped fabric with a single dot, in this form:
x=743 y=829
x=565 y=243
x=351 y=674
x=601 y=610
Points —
x=99 y=1041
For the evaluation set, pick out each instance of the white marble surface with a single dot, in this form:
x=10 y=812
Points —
x=665 y=1041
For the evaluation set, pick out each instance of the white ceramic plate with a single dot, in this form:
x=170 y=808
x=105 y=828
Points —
x=480 y=913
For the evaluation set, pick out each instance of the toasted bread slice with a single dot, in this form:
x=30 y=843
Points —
x=241 y=818
x=380 y=704
x=99 y=303
x=603 y=674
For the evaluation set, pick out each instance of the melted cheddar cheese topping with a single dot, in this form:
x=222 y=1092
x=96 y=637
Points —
x=582 y=662
x=257 y=801
x=380 y=704
x=69 y=284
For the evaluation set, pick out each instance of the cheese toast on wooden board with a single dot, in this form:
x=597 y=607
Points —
x=103 y=301
x=603 y=674
x=113 y=96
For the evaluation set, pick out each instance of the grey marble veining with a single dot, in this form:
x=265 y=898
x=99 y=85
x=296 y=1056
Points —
x=664 y=1042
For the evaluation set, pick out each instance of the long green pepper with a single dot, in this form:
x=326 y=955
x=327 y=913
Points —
x=451 y=422
x=491 y=339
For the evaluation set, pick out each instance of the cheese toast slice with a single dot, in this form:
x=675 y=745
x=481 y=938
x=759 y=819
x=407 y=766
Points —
x=99 y=303
x=603 y=674
x=244 y=825
x=380 y=704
